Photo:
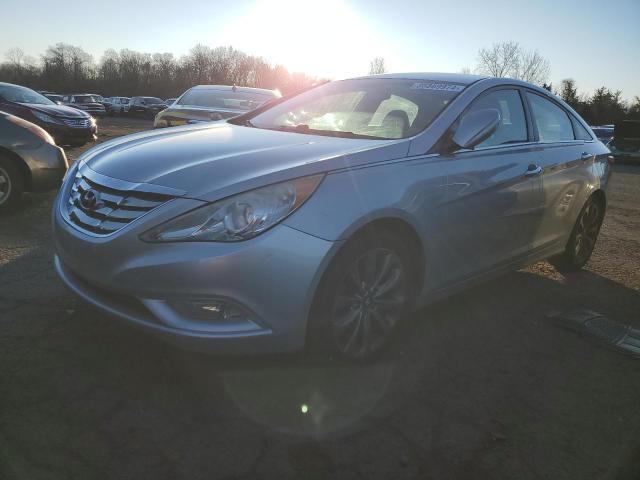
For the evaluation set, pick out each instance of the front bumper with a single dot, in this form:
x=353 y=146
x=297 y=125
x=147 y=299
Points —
x=273 y=276
x=64 y=134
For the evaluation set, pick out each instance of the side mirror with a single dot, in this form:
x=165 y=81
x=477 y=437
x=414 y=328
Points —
x=475 y=128
x=59 y=102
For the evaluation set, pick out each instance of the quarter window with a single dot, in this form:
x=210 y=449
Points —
x=580 y=131
x=513 y=126
x=552 y=122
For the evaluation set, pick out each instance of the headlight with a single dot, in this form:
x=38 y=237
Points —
x=239 y=217
x=43 y=117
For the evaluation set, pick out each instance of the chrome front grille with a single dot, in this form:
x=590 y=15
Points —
x=77 y=122
x=102 y=210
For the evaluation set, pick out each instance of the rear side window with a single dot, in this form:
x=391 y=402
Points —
x=552 y=122
x=581 y=133
x=513 y=126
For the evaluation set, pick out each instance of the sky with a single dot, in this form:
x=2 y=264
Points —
x=594 y=42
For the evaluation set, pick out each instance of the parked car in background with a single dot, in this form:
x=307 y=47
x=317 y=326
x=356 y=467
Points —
x=207 y=103
x=100 y=99
x=603 y=132
x=54 y=97
x=117 y=105
x=147 y=107
x=170 y=101
x=625 y=144
x=67 y=125
x=85 y=102
x=326 y=217
x=29 y=160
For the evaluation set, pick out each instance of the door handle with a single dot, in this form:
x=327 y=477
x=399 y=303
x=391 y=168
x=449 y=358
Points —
x=533 y=170
x=586 y=156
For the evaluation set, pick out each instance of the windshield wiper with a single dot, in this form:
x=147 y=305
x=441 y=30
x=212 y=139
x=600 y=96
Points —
x=303 y=128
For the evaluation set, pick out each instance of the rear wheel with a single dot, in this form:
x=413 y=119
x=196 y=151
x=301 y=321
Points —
x=363 y=296
x=583 y=238
x=11 y=184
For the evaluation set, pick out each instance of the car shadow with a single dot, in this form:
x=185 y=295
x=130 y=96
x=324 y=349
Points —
x=481 y=384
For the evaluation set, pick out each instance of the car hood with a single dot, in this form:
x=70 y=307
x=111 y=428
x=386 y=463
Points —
x=209 y=161
x=56 y=110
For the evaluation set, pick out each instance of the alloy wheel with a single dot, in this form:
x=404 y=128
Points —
x=5 y=185
x=586 y=232
x=369 y=303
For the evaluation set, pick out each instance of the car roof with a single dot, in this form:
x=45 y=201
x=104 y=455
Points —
x=462 y=78
x=262 y=91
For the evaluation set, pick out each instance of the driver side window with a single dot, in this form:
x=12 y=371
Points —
x=513 y=125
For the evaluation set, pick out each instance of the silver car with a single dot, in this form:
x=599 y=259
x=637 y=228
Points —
x=324 y=218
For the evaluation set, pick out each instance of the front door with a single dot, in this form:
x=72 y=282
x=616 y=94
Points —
x=494 y=193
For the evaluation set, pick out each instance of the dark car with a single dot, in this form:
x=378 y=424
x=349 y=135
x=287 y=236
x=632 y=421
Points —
x=29 y=160
x=86 y=102
x=603 y=132
x=54 y=97
x=147 y=107
x=68 y=126
x=209 y=103
x=625 y=144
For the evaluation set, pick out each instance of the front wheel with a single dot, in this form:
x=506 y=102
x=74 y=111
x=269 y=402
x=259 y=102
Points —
x=363 y=296
x=11 y=184
x=583 y=238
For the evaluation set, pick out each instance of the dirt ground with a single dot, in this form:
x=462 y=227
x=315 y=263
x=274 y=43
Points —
x=483 y=385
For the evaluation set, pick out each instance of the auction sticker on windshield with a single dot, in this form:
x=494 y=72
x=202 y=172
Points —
x=448 y=87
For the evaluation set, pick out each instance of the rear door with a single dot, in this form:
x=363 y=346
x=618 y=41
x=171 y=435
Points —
x=566 y=152
x=493 y=192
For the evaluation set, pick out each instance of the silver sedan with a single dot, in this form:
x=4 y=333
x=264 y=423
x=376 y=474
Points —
x=323 y=218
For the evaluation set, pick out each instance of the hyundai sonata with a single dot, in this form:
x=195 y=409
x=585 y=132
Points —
x=324 y=218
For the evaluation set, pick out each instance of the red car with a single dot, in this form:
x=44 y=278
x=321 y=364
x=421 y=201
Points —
x=67 y=125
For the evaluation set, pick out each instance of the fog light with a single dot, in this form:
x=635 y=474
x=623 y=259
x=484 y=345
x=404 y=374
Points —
x=215 y=315
x=210 y=311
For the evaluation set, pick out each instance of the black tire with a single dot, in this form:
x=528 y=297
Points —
x=352 y=315
x=583 y=238
x=11 y=184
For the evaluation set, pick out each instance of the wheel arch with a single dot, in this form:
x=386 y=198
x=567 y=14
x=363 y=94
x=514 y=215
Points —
x=600 y=196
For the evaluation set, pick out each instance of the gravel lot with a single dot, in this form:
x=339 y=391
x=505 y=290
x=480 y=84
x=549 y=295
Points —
x=482 y=385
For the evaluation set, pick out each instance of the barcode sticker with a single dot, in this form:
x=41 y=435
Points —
x=445 y=87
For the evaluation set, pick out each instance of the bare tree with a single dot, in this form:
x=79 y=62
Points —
x=377 y=66
x=532 y=67
x=501 y=60
x=465 y=70
x=509 y=59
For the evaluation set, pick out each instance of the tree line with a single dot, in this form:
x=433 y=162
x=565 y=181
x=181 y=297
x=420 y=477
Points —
x=65 y=68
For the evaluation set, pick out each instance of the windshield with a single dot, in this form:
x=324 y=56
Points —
x=212 y=98
x=84 y=99
x=369 y=108
x=14 y=93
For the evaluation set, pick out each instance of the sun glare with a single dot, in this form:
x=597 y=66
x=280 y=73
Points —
x=321 y=38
